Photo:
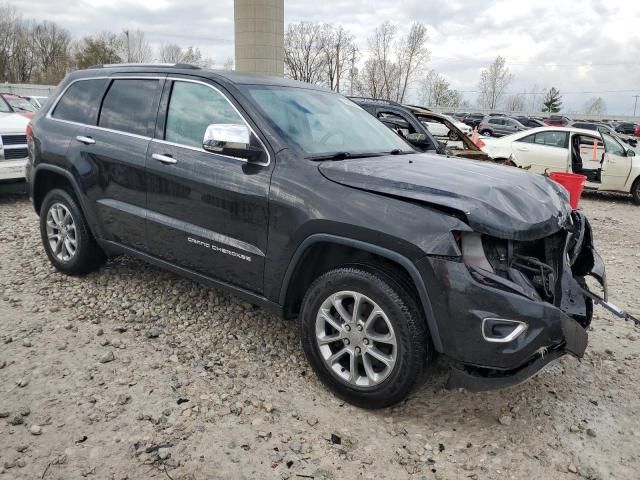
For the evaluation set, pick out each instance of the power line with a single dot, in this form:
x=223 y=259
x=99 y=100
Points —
x=562 y=92
x=530 y=64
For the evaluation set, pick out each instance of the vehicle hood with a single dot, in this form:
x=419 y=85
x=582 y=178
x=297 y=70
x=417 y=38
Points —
x=504 y=202
x=13 y=123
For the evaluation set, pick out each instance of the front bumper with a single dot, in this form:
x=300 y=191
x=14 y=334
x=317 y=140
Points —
x=462 y=302
x=12 y=169
x=478 y=379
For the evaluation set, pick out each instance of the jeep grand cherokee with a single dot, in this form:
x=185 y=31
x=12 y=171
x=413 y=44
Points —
x=296 y=199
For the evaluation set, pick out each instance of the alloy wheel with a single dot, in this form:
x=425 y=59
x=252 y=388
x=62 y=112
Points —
x=356 y=339
x=61 y=232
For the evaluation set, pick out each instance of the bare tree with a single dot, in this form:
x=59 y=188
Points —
x=134 y=47
x=339 y=50
x=436 y=91
x=303 y=55
x=22 y=61
x=52 y=51
x=228 y=64
x=170 y=53
x=533 y=99
x=9 y=19
x=595 y=106
x=411 y=56
x=515 y=103
x=393 y=65
x=382 y=73
x=493 y=83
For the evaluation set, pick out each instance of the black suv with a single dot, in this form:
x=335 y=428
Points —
x=296 y=199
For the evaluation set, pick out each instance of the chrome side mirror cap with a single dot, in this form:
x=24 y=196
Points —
x=233 y=140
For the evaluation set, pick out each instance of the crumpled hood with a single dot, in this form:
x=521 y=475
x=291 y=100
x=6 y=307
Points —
x=504 y=202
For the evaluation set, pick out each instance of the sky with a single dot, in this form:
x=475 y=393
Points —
x=586 y=48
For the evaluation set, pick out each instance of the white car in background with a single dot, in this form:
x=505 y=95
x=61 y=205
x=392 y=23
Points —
x=602 y=158
x=13 y=152
x=439 y=129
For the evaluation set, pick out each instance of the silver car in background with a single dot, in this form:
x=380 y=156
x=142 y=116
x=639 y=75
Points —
x=500 y=126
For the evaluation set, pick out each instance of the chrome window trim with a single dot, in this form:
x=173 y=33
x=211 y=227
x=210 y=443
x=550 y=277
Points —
x=54 y=104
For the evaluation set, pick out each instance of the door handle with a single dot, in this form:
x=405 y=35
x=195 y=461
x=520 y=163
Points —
x=167 y=159
x=85 y=140
x=523 y=149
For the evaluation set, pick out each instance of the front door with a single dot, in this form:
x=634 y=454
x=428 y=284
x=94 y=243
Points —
x=207 y=212
x=616 y=165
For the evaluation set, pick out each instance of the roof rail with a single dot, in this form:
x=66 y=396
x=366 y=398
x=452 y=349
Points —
x=183 y=66
x=372 y=99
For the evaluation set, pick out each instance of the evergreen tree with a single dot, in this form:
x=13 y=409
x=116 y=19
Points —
x=552 y=101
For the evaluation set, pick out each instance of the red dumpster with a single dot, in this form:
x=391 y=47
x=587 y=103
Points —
x=573 y=182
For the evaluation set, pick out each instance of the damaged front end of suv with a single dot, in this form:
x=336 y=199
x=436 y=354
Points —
x=556 y=302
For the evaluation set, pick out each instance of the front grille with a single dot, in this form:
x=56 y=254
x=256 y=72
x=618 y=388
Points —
x=15 y=153
x=14 y=139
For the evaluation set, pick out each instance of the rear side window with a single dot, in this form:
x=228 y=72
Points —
x=130 y=106
x=192 y=108
x=81 y=101
x=552 y=139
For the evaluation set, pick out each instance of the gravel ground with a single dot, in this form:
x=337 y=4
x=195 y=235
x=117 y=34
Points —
x=133 y=373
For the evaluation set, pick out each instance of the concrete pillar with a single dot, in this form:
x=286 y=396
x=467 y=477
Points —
x=259 y=36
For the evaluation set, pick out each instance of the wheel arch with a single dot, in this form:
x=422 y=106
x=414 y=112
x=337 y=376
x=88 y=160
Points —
x=47 y=177
x=321 y=252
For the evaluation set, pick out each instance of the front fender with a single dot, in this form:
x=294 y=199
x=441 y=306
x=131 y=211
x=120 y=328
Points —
x=403 y=261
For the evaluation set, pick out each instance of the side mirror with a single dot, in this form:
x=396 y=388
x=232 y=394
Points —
x=419 y=140
x=631 y=153
x=233 y=140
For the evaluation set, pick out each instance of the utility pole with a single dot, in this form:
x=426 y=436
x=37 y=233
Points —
x=635 y=105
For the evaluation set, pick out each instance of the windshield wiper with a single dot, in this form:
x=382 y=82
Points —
x=342 y=156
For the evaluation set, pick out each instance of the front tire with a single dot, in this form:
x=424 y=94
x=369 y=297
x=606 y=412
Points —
x=486 y=133
x=65 y=235
x=365 y=336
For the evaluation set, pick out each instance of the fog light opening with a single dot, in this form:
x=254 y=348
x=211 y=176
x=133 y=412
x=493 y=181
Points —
x=500 y=330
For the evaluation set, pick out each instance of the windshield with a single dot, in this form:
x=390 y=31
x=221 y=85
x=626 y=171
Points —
x=20 y=104
x=323 y=123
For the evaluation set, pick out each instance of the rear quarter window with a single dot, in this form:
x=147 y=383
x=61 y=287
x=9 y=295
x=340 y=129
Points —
x=81 y=101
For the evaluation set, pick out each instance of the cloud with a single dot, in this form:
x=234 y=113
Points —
x=464 y=35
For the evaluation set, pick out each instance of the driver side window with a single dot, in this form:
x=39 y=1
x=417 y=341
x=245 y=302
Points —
x=192 y=108
x=612 y=146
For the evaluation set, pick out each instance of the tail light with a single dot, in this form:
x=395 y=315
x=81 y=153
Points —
x=29 y=132
x=480 y=144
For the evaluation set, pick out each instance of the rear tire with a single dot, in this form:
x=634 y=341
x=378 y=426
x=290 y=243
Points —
x=372 y=360
x=66 y=237
x=635 y=191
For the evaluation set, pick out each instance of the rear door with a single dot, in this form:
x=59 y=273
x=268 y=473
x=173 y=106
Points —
x=616 y=165
x=207 y=212
x=114 y=151
x=543 y=151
